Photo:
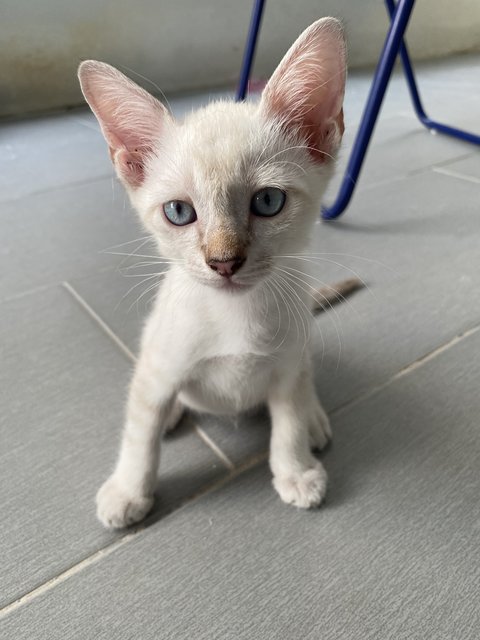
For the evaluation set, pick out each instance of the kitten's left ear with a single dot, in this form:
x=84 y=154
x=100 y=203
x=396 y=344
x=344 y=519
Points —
x=306 y=90
x=132 y=120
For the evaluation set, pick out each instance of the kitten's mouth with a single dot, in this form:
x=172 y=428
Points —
x=232 y=285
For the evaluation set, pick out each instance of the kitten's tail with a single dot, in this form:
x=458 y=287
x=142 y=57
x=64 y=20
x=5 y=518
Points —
x=326 y=297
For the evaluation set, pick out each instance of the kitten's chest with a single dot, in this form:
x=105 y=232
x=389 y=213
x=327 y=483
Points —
x=237 y=343
x=236 y=328
x=227 y=384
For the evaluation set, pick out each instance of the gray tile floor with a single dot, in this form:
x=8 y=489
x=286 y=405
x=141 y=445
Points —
x=395 y=551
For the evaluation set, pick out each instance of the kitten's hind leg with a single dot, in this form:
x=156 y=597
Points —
x=319 y=426
x=176 y=414
x=298 y=421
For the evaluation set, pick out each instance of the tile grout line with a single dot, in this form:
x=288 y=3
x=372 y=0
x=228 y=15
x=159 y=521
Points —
x=45 y=287
x=99 y=321
x=235 y=472
x=98 y=555
x=58 y=187
x=248 y=464
x=200 y=432
x=409 y=368
x=453 y=160
x=65 y=575
x=455 y=174
x=212 y=444
x=28 y=292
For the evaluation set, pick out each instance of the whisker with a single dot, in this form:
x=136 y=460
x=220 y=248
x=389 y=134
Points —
x=345 y=255
x=295 y=310
x=281 y=162
x=140 y=275
x=137 y=284
x=147 y=290
x=276 y=286
x=278 y=309
x=298 y=146
x=338 y=264
x=137 y=265
x=141 y=255
x=122 y=244
x=297 y=279
x=305 y=324
x=315 y=292
x=154 y=84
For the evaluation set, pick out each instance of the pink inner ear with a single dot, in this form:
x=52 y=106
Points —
x=306 y=91
x=130 y=118
x=130 y=166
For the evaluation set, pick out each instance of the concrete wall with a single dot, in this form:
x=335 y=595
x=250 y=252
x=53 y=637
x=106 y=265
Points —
x=192 y=43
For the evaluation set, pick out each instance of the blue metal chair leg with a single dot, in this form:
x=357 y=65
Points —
x=415 y=96
x=400 y=13
x=249 y=53
x=399 y=22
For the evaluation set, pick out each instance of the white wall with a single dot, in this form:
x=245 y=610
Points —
x=192 y=43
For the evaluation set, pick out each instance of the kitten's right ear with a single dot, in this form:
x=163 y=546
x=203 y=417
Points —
x=130 y=118
x=306 y=91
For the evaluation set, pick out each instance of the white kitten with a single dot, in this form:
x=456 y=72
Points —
x=230 y=194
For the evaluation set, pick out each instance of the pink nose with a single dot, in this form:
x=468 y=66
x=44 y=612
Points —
x=226 y=268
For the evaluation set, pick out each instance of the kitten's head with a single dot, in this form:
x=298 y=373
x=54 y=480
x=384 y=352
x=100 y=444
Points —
x=234 y=186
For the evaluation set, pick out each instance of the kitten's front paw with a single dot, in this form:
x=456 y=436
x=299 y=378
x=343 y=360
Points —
x=303 y=489
x=116 y=509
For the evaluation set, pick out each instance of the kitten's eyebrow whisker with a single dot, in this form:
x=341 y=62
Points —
x=280 y=162
x=87 y=125
x=139 y=75
x=298 y=146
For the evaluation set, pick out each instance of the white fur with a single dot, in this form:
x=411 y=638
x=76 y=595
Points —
x=205 y=346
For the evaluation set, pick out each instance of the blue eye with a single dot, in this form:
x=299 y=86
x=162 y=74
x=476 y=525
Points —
x=179 y=213
x=267 y=202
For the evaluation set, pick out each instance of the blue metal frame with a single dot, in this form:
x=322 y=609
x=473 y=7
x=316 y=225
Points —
x=399 y=16
x=250 y=46
x=417 y=103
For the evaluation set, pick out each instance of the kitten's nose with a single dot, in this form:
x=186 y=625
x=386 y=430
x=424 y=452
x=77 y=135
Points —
x=226 y=268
